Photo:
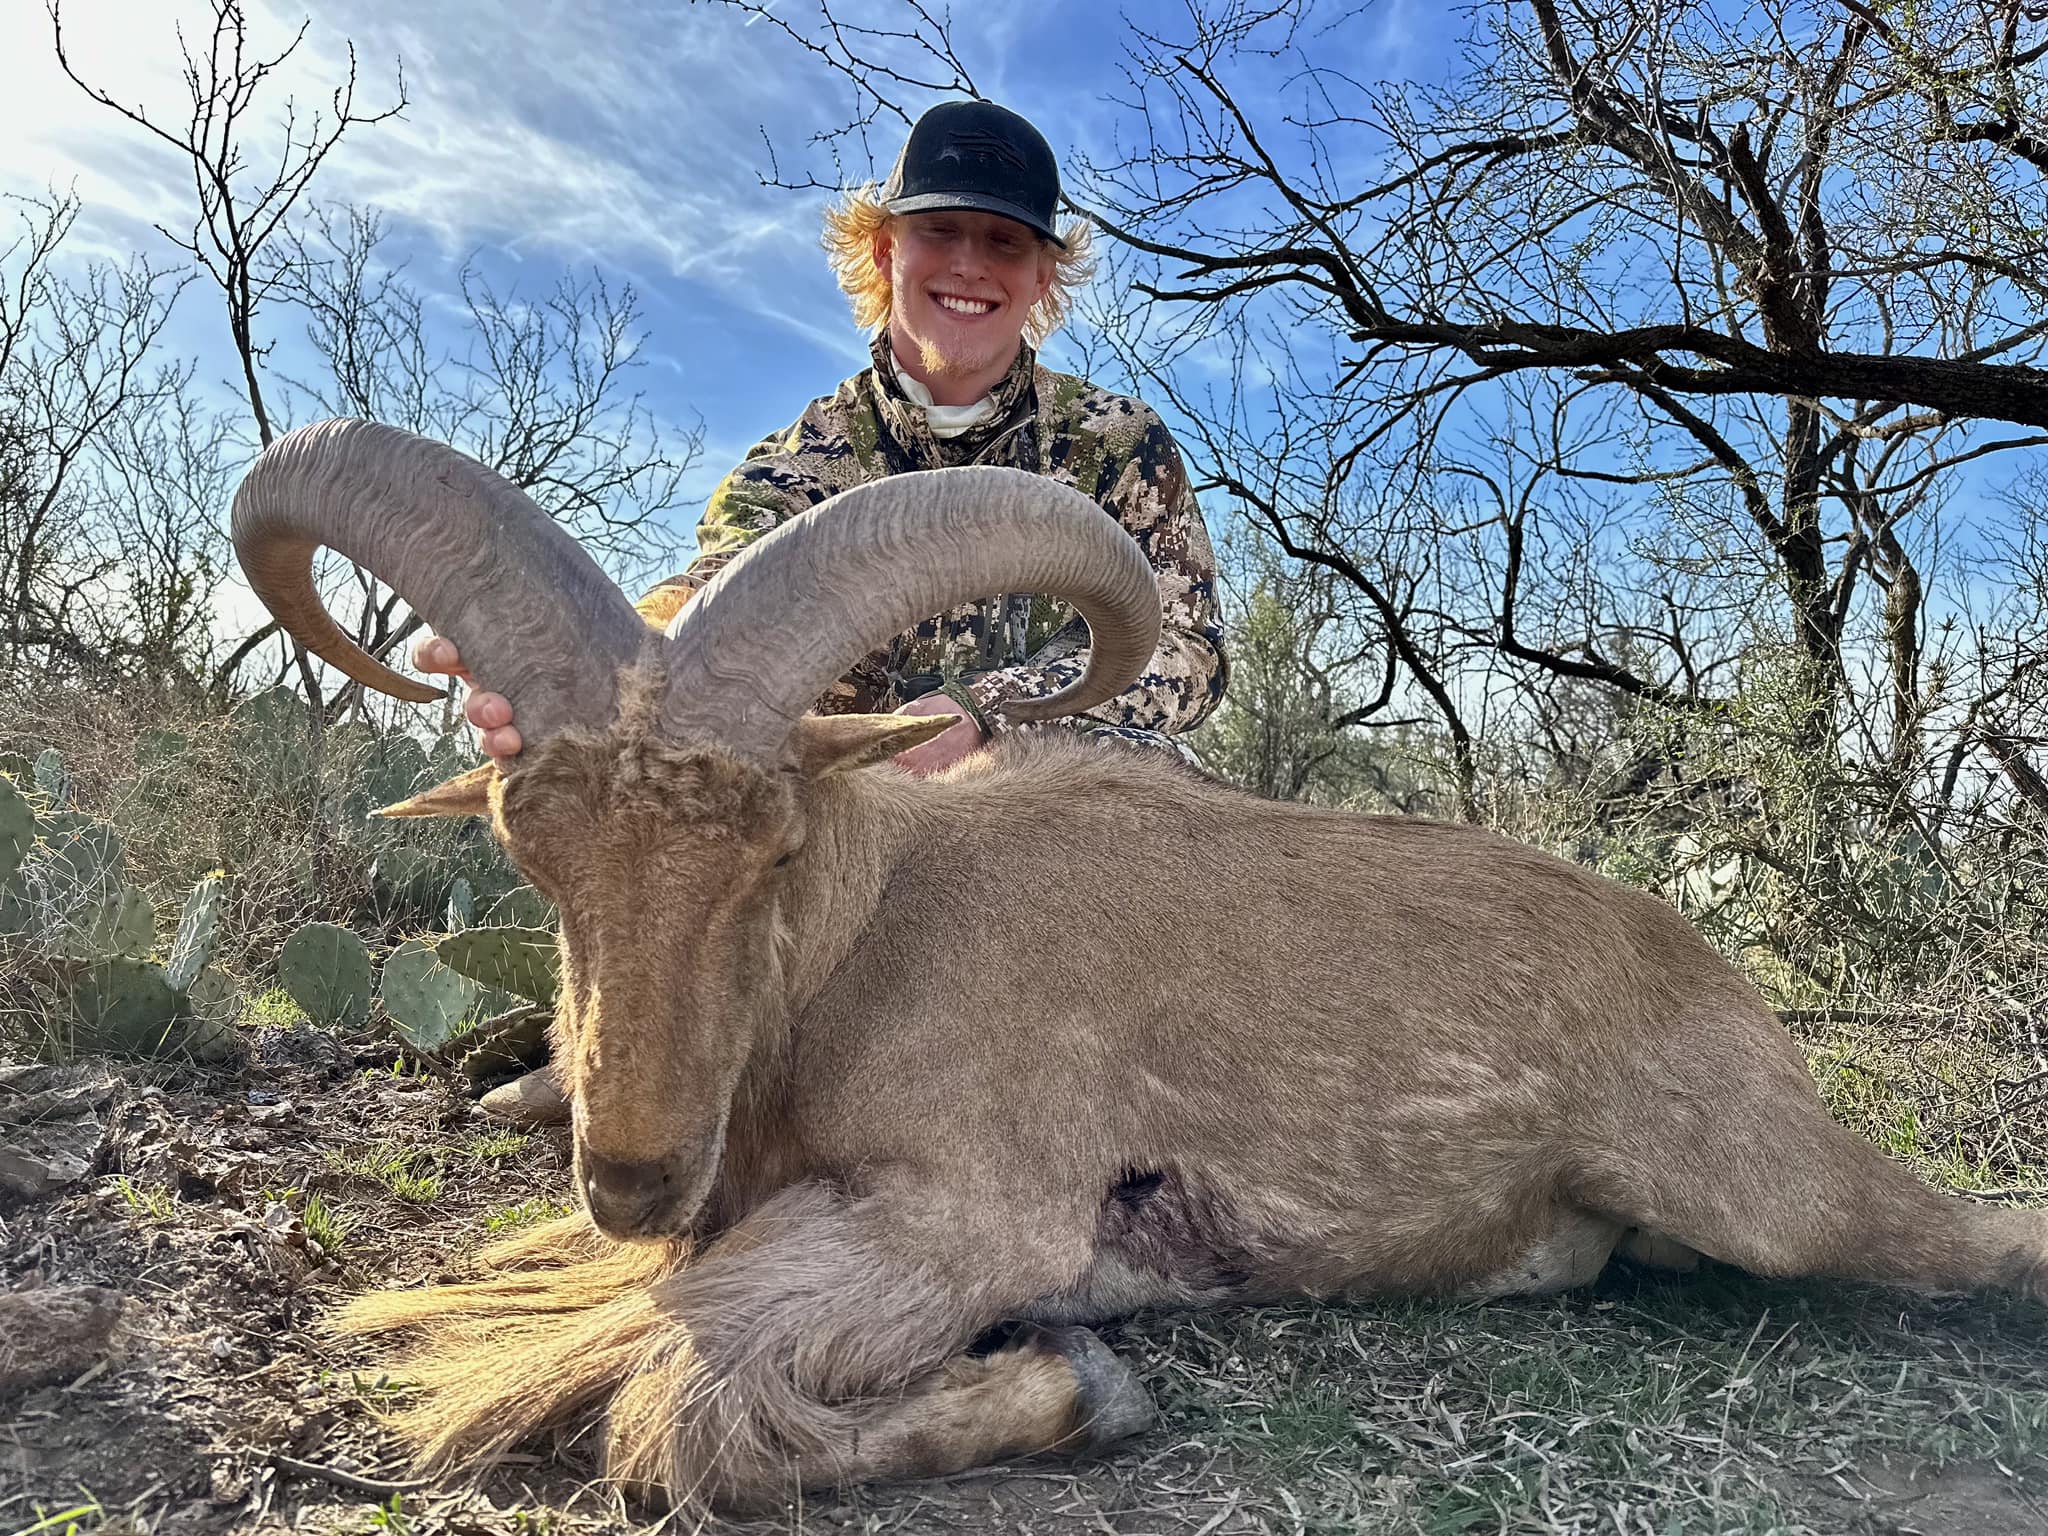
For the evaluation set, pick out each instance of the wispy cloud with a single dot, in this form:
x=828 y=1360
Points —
x=620 y=136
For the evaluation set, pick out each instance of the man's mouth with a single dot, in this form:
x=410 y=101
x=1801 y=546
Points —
x=959 y=306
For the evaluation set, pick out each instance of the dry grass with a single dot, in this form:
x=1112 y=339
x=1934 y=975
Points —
x=1724 y=1403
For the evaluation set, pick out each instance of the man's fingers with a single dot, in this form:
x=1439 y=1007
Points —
x=490 y=713
x=502 y=742
x=436 y=654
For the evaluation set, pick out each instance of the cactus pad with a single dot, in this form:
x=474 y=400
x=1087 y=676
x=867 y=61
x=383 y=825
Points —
x=17 y=830
x=272 y=739
x=403 y=877
x=512 y=1042
x=161 y=751
x=326 y=970
x=85 y=856
x=428 y=1003
x=520 y=961
x=521 y=907
x=117 y=922
x=198 y=932
x=461 y=911
x=126 y=1005
x=52 y=778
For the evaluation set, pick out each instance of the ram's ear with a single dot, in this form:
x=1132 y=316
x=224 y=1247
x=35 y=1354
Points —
x=825 y=744
x=467 y=794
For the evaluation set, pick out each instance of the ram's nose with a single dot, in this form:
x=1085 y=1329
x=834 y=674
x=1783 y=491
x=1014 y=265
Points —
x=629 y=1199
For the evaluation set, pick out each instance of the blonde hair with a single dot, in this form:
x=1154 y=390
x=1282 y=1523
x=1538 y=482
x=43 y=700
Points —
x=852 y=223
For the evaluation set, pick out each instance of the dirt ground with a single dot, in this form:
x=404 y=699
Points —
x=223 y=1213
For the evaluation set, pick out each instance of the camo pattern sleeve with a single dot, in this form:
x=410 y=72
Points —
x=1141 y=478
x=831 y=446
x=767 y=488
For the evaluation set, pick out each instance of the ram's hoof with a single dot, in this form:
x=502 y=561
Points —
x=1113 y=1405
x=535 y=1099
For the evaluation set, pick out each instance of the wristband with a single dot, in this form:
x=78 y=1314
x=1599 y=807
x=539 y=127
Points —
x=967 y=702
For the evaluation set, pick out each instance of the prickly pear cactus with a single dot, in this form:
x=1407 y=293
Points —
x=18 y=915
x=461 y=911
x=164 y=769
x=17 y=830
x=208 y=1039
x=214 y=995
x=404 y=878
x=326 y=970
x=521 y=907
x=161 y=751
x=198 y=931
x=515 y=1041
x=428 y=1003
x=452 y=753
x=53 y=779
x=125 y=1005
x=85 y=855
x=396 y=770
x=371 y=769
x=116 y=922
x=520 y=961
x=271 y=736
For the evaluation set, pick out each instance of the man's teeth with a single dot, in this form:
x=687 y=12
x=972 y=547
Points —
x=963 y=306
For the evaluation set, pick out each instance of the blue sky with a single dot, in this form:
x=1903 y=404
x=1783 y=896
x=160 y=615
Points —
x=544 y=136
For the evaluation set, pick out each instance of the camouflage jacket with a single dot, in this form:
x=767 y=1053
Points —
x=1115 y=450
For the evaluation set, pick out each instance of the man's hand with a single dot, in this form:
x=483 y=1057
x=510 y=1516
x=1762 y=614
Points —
x=959 y=740
x=490 y=713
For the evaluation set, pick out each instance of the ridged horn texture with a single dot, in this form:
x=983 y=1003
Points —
x=754 y=650
x=533 y=616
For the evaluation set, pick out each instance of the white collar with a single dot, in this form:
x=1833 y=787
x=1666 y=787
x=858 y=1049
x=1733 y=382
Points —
x=944 y=420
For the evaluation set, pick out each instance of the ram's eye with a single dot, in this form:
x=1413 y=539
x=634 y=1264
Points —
x=784 y=860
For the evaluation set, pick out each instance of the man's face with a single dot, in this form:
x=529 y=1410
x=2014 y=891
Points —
x=961 y=287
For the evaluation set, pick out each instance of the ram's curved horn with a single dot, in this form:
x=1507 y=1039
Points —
x=756 y=647
x=533 y=616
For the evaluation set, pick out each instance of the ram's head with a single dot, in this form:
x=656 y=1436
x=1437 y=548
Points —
x=665 y=795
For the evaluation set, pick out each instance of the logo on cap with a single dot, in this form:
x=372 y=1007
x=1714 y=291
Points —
x=983 y=146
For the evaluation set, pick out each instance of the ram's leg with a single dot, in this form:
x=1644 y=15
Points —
x=823 y=1341
x=1048 y=1389
x=1756 y=1174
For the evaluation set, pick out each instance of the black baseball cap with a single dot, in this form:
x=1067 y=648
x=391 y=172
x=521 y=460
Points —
x=977 y=155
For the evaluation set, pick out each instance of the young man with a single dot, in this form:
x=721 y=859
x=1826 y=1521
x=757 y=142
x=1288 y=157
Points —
x=957 y=260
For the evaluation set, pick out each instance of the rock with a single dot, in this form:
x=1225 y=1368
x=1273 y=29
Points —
x=54 y=1333
x=27 y=1077
x=32 y=1172
x=535 y=1099
x=66 y=1103
x=51 y=1133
